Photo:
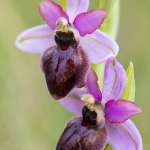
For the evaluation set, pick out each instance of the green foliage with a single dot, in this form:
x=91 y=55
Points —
x=99 y=69
x=63 y=3
x=108 y=147
x=129 y=92
x=111 y=22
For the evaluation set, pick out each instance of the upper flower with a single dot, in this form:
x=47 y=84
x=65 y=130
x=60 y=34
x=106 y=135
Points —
x=69 y=43
x=121 y=132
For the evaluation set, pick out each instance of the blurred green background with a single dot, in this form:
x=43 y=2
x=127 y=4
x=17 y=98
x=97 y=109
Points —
x=29 y=118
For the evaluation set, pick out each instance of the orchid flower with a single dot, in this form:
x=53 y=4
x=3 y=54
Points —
x=122 y=134
x=69 y=43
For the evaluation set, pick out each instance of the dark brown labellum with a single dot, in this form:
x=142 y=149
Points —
x=89 y=117
x=65 y=70
x=78 y=137
x=65 y=40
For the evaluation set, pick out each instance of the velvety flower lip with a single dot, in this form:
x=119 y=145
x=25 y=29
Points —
x=122 y=132
x=38 y=39
x=76 y=136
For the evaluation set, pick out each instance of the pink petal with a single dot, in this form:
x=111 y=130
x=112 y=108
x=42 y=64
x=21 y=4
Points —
x=75 y=7
x=92 y=85
x=88 y=22
x=114 y=80
x=124 y=136
x=36 y=39
x=51 y=12
x=118 y=111
x=72 y=101
x=99 y=46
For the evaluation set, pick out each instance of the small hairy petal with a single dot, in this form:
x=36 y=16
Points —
x=65 y=70
x=92 y=85
x=36 y=39
x=75 y=7
x=99 y=46
x=124 y=136
x=114 y=80
x=72 y=101
x=118 y=111
x=75 y=137
x=51 y=12
x=88 y=22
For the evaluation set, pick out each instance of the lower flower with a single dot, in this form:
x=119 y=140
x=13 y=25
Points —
x=111 y=113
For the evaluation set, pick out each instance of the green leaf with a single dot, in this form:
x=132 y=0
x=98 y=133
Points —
x=108 y=147
x=99 y=69
x=111 y=22
x=63 y=4
x=129 y=92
